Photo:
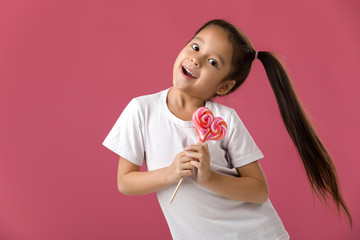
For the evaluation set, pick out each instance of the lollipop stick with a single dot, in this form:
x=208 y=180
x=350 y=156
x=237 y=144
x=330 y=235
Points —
x=176 y=189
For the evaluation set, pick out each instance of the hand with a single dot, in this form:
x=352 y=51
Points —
x=200 y=158
x=180 y=167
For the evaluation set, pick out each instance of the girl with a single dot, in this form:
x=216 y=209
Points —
x=224 y=194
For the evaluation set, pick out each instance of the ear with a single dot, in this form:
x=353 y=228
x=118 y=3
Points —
x=225 y=87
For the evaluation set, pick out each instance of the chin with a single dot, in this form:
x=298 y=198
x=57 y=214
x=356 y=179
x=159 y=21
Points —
x=178 y=82
x=178 y=86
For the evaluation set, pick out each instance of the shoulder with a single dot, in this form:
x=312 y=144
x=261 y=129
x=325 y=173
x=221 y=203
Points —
x=146 y=100
x=220 y=110
x=230 y=116
x=146 y=104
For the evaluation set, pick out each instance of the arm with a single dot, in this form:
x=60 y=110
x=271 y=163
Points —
x=133 y=182
x=250 y=186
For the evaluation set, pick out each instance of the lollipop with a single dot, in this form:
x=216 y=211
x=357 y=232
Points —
x=207 y=128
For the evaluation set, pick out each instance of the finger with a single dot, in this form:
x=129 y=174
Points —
x=196 y=164
x=185 y=159
x=194 y=148
x=203 y=145
x=206 y=147
x=194 y=155
x=186 y=173
x=182 y=154
x=187 y=166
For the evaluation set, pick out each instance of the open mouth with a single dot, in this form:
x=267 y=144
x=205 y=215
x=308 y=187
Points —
x=188 y=73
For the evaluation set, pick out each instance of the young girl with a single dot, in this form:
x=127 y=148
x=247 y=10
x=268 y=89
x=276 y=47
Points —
x=224 y=194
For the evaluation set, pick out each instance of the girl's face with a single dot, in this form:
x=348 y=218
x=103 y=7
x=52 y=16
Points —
x=200 y=68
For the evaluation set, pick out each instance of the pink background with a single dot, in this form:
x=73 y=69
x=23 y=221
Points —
x=68 y=68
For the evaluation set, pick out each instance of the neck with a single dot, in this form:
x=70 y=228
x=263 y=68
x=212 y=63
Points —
x=183 y=105
x=182 y=100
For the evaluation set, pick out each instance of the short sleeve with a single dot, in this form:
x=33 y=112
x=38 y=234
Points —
x=126 y=136
x=241 y=147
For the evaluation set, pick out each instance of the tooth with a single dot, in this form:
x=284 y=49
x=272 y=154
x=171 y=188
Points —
x=190 y=73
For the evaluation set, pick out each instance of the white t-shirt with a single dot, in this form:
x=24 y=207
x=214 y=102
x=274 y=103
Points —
x=147 y=130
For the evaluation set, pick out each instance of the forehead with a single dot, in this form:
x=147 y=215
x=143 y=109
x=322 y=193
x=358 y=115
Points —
x=216 y=39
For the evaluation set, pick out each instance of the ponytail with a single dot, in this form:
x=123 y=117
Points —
x=318 y=164
x=319 y=167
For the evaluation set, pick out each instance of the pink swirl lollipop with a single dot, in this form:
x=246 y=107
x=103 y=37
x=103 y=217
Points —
x=207 y=128
x=217 y=129
x=202 y=120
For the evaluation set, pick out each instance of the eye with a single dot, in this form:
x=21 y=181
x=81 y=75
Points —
x=195 y=47
x=213 y=62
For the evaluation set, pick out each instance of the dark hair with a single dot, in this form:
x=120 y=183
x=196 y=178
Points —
x=318 y=164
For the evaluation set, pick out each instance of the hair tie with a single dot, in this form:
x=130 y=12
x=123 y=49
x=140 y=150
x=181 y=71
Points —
x=256 y=54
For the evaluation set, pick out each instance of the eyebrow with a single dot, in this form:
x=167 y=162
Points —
x=219 y=56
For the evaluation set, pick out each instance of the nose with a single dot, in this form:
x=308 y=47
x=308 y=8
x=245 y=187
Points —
x=195 y=61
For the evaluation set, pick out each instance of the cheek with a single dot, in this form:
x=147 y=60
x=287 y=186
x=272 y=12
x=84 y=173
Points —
x=213 y=80
x=179 y=59
x=177 y=62
x=213 y=76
